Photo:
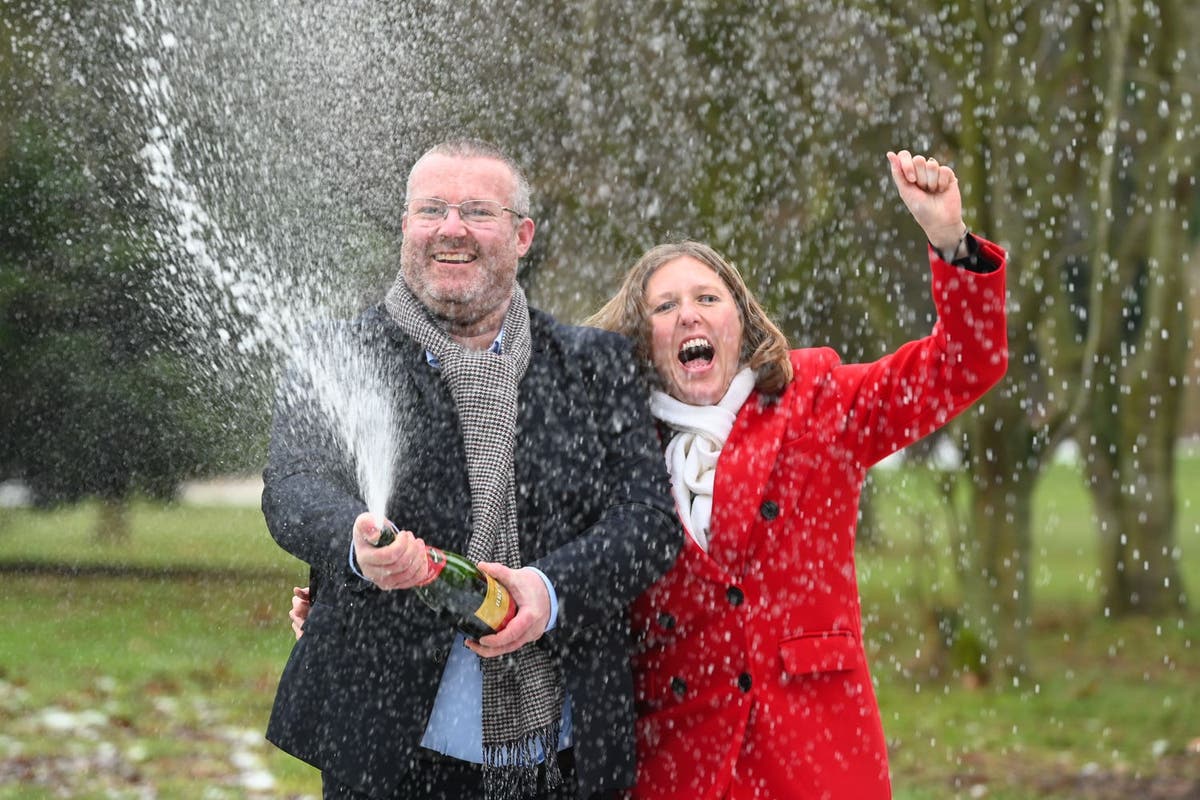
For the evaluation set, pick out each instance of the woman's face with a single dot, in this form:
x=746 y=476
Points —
x=695 y=331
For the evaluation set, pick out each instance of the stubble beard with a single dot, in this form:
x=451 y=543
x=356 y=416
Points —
x=464 y=309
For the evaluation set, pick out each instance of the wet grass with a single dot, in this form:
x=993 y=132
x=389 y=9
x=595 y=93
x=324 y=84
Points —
x=1109 y=708
x=148 y=668
x=161 y=538
x=1109 y=701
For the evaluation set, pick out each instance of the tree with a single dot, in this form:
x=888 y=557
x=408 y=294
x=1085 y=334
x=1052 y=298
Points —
x=1033 y=99
x=1138 y=340
x=95 y=403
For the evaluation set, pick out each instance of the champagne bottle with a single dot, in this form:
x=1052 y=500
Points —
x=476 y=602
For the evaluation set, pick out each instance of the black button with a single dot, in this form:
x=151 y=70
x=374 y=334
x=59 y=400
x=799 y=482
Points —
x=666 y=620
x=744 y=681
x=735 y=596
x=679 y=686
x=769 y=510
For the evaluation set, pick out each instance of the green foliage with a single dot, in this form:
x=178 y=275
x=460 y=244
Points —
x=709 y=121
x=92 y=402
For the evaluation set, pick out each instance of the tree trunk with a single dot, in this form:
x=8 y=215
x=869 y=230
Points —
x=1134 y=429
x=1001 y=442
x=995 y=555
x=1139 y=323
x=112 y=521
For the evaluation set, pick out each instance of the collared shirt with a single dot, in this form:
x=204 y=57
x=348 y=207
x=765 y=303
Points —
x=455 y=725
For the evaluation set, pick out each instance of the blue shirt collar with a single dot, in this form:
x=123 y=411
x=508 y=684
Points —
x=497 y=347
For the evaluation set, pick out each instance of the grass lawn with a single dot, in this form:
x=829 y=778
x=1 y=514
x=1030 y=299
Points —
x=156 y=680
x=1111 y=709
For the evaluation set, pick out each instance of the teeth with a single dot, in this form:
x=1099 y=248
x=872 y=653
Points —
x=696 y=348
x=453 y=258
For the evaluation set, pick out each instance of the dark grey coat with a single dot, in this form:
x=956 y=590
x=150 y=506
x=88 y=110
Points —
x=595 y=515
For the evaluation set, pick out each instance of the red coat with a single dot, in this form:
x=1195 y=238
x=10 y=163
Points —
x=751 y=675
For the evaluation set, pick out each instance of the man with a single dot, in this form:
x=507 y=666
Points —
x=528 y=446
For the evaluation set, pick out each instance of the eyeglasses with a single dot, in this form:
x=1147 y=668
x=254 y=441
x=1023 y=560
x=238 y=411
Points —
x=475 y=213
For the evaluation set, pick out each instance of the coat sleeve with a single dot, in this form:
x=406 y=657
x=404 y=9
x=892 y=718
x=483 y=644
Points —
x=637 y=536
x=896 y=400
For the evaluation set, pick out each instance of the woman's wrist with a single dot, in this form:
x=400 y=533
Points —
x=951 y=248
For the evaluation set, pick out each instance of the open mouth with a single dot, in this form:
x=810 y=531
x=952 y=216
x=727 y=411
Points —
x=696 y=352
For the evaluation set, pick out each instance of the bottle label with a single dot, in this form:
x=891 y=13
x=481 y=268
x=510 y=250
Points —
x=497 y=607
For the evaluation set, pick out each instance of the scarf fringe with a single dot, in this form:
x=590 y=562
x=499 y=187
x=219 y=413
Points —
x=510 y=769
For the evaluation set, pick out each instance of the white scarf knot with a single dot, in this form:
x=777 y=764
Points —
x=700 y=433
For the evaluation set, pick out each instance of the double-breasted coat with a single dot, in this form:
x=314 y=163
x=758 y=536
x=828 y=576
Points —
x=594 y=514
x=751 y=676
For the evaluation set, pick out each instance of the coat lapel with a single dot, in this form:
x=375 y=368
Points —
x=742 y=471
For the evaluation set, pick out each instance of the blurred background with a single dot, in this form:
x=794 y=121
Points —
x=183 y=185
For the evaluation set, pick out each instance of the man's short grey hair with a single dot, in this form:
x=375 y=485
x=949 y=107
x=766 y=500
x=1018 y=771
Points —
x=478 y=148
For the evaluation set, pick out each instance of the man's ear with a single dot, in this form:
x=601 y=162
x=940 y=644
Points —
x=524 y=236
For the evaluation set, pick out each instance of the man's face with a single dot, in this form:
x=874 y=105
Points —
x=463 y=274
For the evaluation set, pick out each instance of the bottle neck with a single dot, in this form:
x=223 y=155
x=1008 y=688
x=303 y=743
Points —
x=437 y=563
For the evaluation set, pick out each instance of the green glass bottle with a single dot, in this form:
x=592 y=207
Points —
x=477 y=602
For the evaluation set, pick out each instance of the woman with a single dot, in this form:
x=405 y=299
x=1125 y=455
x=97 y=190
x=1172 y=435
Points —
x=752 y=680
x=751 y=675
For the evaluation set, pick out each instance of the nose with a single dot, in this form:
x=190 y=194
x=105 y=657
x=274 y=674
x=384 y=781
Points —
x=689 y=314
x=452 y=224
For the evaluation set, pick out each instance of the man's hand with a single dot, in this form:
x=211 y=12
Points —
x=930 y=191
x=402 y=564
x=528 y=591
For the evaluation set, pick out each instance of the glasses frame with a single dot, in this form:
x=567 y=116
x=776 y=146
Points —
x=447 y=205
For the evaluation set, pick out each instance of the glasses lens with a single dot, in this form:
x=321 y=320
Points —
x=427 y=209
x=480 y=212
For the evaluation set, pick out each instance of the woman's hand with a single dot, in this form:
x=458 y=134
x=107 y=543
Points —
x=301 y=603
x=930 y=191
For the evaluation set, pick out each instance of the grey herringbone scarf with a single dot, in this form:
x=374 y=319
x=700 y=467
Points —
x=522 y=691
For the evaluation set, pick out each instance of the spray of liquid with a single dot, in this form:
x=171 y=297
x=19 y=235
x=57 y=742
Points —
x=352 y=394
x=233 y=288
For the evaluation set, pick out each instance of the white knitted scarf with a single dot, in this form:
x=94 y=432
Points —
x=700 y=433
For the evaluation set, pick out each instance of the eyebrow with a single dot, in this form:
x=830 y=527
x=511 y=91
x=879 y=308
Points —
x=708 y=288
